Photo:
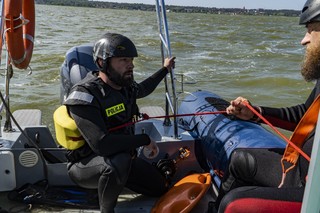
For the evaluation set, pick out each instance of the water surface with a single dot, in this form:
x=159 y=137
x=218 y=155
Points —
x=254 y=56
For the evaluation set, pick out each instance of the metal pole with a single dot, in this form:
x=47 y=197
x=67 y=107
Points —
x=1 y=28
x=166 y=121
x=165 y=41
x=1 y=44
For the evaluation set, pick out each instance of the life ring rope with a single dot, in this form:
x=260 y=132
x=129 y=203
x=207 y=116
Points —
x=29 y=37
x=25 y=36
x=23 y=20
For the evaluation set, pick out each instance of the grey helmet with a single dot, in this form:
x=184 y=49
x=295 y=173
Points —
x=310 y=12
x=113 y=45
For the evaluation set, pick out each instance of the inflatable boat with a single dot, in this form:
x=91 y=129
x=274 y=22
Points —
x=195 y=139
x=203 y=144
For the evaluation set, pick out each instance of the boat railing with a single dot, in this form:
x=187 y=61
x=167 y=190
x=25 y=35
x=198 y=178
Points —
x=2 y=27
x=171 y=97
x=183 y=80
x=8 y=74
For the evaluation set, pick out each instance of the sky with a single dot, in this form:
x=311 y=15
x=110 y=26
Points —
x=248 y=4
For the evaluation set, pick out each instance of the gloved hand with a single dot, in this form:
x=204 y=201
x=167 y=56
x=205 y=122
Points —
x=151 y=151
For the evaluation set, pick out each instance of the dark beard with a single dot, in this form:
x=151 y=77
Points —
x=116 y=78
x=310 y=68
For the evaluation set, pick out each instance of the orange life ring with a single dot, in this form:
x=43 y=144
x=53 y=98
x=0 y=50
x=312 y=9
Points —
x=19 y=36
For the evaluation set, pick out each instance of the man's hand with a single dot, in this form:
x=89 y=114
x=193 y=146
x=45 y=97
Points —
x=239 y=109
x=169 y=63
x=151 y=151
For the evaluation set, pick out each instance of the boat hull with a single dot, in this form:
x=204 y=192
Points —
x=220 y=134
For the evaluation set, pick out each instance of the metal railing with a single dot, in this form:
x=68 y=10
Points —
x=8 y=74
x=171 y=97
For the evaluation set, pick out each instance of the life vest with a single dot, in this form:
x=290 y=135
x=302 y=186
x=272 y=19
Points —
x=117 y=108
x=67 y=133
x=307 y=123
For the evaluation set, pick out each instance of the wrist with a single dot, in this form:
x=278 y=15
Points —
x=256 y=118
x=166 y=68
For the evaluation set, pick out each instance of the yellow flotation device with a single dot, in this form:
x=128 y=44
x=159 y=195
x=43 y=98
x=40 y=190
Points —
x=67 y=133
x=184 y=195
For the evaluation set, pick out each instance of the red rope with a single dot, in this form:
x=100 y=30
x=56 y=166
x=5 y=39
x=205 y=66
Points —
x=146 y=117
x=277 y=131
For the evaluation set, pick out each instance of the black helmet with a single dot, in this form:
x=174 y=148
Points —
x=113 y=45
x=310 y=12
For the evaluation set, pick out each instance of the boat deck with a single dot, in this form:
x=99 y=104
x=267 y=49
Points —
x=127 y=203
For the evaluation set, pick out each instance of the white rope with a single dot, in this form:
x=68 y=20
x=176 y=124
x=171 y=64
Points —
x=23 y=19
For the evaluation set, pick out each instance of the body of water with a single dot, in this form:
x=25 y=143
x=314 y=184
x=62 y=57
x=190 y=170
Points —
x=257 y=57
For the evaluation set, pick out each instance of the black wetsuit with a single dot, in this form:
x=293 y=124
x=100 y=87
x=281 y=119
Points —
x=262 y=167
x=108 y=160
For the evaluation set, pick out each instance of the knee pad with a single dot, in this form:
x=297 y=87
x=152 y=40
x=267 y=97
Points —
x=243 y=164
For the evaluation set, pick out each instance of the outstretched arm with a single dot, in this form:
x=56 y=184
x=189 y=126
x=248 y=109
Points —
x=147 y=86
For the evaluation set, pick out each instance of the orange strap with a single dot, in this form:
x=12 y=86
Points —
x=303 y=129
x=301 y=132
x=277 y=131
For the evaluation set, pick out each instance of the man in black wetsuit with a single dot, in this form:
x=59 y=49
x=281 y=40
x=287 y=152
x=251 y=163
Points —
x=104 y=100
x=262 y=167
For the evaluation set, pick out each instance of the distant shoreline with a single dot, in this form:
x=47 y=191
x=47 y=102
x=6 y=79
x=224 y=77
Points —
x=172 y=8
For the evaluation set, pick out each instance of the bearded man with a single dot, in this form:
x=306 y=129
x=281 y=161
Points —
x=275 y=175
x=106 y=99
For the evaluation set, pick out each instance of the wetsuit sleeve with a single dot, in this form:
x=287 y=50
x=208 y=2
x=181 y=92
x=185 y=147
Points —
x=288 y=117
x=147 y=86
x=92 y=127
